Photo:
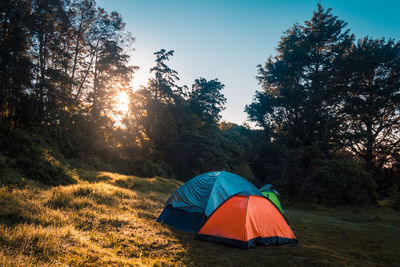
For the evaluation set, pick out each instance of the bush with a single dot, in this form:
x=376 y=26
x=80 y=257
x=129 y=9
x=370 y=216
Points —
x=26 y=155
x=244 y=171
x=334 y=182
x=146 y=167
x=395 y=196
x=290 y=170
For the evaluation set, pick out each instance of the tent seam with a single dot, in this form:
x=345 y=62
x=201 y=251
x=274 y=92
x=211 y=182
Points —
x=212 y=190
x=245 y=218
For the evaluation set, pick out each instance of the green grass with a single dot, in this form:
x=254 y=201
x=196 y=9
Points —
x=109 y=219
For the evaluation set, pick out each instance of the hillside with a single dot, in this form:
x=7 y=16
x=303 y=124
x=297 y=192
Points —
x=108 y=218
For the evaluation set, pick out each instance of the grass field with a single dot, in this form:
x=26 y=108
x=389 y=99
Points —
x=109 y=219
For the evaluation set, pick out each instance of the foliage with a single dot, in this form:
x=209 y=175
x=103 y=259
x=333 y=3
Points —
x=372 y=101
x=206 y=99
x=27 y=156
x=344 y=182
x=71 y=60
x=15 y=63
x=178 y=127
x=297 y=105
x=396 y=198
x=324 y=92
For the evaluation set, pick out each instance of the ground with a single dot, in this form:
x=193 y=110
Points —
x=109 y=219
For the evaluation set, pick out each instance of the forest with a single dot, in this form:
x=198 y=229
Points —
x=327 y=111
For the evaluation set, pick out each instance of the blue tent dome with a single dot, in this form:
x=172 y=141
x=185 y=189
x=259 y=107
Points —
x=195 y=200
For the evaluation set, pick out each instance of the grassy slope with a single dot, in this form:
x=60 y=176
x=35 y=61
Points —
x=110 y=219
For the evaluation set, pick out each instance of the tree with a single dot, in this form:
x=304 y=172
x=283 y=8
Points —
x=152 y=107
x=49 y=32
x=16 y=64
x=371 y=91
x=176 y=126
x=207 y=100
x=198 y=146
x=111 y=70
x=298 y=104
x=164 y=83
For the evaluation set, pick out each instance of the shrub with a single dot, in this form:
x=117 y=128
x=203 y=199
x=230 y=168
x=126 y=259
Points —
x=395 y=196
x=334 y=182
x=244 y=171
x=146 y=167
x=26 y=155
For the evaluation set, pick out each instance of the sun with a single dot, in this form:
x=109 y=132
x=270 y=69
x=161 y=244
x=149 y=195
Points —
x=122 y=102
x=121 y=107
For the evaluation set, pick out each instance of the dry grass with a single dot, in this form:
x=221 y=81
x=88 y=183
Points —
x=109 y=219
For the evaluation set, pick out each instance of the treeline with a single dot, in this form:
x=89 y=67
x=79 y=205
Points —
x=328 y=110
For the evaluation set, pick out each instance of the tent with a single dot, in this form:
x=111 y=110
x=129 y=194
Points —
x=269 y=192
x=244 y=221
x=193 y=202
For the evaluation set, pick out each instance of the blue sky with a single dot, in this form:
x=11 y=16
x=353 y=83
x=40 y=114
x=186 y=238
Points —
x=227 y=39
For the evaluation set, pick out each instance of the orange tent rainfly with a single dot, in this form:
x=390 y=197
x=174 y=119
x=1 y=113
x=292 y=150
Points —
x=245 y=221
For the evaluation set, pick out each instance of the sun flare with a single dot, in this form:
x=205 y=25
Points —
x=122 y=102
x=121 y=107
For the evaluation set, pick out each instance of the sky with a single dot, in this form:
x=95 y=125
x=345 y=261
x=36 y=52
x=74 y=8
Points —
x=227 y=39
